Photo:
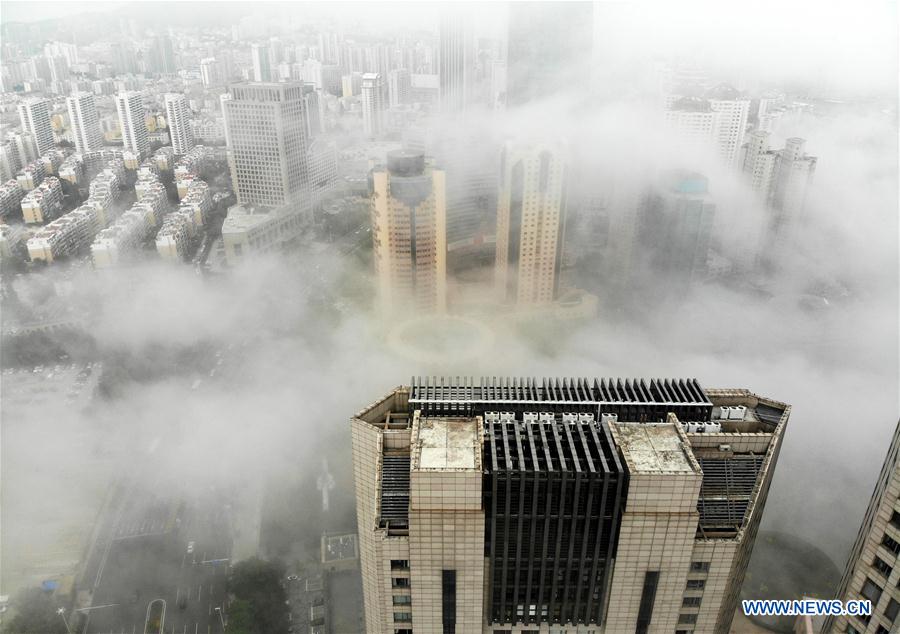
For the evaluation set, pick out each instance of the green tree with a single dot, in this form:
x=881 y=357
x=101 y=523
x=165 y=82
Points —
x=34 y=611
x=258 y=583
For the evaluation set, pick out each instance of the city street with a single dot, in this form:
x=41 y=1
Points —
x=167 y=558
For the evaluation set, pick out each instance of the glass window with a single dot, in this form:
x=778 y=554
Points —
x=687 y=619
x=871 y=591
x=402 y=599
x=399 y=564
x=696 y=584
x=691 y=602
x=400 y=582
x=699 y=566
x=881 y=566
x=895 y=519
x=892 y=609
x=403 y=617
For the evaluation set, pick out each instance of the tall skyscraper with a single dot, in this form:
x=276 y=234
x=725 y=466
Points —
x=262 y=67
x=872 y=571
x=549 y=50
x=84 y=121
x=531 y=216
x=266 y=128
x=455 y=59
x=585 y=505
x=409 y=219
x=131 y=121
x=674 y=230
x=398 y=87
x=178 y=116
x=372 y=104
x=163 y=55
x=34 y=115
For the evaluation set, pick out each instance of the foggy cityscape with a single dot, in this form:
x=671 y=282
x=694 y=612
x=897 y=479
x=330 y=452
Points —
x=297 y=296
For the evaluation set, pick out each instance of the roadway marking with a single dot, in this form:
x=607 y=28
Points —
x=177 y=592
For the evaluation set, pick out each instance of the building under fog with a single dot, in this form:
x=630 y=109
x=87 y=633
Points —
x=549 y=50
x=531 y=216
x=266 y=127
x=132 y=123
x=178 y=117
x=455 y=59
x=84 y=121
x=34 y=116
x=674 y=230
x=373 y=106
x=709 y=120
x=873 y=570
x=409 y=234
x=580 y=505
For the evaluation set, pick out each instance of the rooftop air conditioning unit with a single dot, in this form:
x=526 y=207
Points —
x=506 y=417
x=738 y=412
x=568 y=418
x=585 y=418
x=609 y=418
x=545 y=417
x=724 y=447
x=529 y=417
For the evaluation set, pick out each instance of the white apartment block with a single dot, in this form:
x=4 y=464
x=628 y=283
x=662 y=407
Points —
x=34 y=115
x=31 y=175
x=84 y=121
x=531 y=212
x=178 y=117
x=584 y=506
x=254 y=230
x=409 y=234
x=132 y=123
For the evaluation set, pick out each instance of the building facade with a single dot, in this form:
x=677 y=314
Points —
x=178 y=116
x=373 y=104
x=409 y=234
x=873 y=570
x=266 y=127
x=34 y=115
x=132 y=123
x=455 y=60
x=531 y=214
x=520 y=506
x=85 y=122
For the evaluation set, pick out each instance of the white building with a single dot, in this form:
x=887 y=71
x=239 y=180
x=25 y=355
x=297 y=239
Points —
x=84 y=121
x=266 y=129
x=65 y=236
x=178 y=116
x=252 y=230
x=262 y=67
x=373 y=104
x=34 y=114
x=132 y=123
x=398 y=87
x=716 y=121
x=211 y=72
x=31 y=175
x=173 y=239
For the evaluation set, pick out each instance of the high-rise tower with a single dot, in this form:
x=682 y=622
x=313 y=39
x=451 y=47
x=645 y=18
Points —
x=409 y=233
x=585 y=505
x=179 y=119
x=132 y=123
x=531 y=214
x=34 y=114
x=84 y=121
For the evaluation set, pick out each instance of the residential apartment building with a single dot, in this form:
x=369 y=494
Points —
x=85 y=122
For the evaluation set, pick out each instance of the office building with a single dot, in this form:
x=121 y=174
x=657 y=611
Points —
x=162 y=55
x=455 y=59
x=586 y=505
x=266 y=127
x=34 y=115
x=132 y=123
x=372 y=104
x=531 y=216
x=549 y=50
x=398 y=87
x=873 y=570
x=262 y=67
x=84 y=122
x=409 y=234
x=674 y=229
x=252 y=230
x=178 y=116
